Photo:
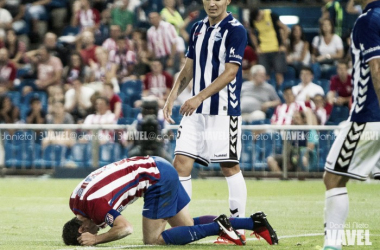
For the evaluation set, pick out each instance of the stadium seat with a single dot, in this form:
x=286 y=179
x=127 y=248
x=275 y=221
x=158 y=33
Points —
x=338 y=114
x=263 y=148
x=21 y=155
x=290 y=74
x=130 y=114
x=260 y=122
x=325 y=84
x=70 y=31
x=109 y=153
x=132 y=91
x=176 y=116
x=52 y=156
x=79 y=154
x=326 y=139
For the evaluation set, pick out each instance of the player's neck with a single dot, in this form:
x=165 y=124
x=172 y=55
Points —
x=215 y=20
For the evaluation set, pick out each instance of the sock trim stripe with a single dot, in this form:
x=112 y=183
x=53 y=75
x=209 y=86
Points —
x=185 y=180
x=336 y=195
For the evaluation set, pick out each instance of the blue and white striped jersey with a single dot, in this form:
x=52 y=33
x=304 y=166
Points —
x=365 y=46
x=211 y=47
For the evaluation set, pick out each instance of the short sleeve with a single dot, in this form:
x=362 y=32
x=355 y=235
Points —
x=338 y=42
x=191 y=50
x=235 y=45
x=315 y=42
x=368 y=35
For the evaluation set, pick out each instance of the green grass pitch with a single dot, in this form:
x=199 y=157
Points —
x=33 y=211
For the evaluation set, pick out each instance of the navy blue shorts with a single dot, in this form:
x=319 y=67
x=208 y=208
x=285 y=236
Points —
x=167 y=197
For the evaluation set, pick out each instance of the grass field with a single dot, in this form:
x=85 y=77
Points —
x=33 y=211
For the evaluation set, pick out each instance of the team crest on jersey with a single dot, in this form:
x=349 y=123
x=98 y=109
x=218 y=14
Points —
x=218 y=36
x=109 y=219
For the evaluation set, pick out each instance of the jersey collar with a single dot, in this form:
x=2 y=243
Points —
x=375 y=4
x=228 y=18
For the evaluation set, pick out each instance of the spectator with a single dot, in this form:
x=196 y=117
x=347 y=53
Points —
x=114 y=100
x=35 y=11
x=55 y=49
x=84 y=16
x=56 y=94
x=298 y=49
x=36 y=114
x=162 y=39
x=340 y=86
x=17 y=10
x=302 y=151
x=170 y=14
x=111 y=42
x=49 y=68
x=102 y=116
x=140 y=46
x=76 y=70
x=327 y=47
x=157 y=83
x=9 y=113
x=283 y=114
x=15 y=47
x=59 y=137
x=322 y=108
x=354 y=9
x=104 y=70
x=306 y=89
x=257 y=96
x=89 y=47
x=5 y=19
x=123 y=17
x=78 y=100
x=334 y=11
x=249 y=60
x=125 y=59
x=7 y=72
x=268 y=42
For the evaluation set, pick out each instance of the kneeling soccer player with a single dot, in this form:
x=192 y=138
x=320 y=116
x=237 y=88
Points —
x=98 y=200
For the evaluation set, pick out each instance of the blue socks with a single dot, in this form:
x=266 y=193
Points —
x=204 y=226
x=236 y=222
x=187 y=234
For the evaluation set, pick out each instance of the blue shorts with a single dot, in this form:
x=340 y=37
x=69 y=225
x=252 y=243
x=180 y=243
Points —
x=167 y=197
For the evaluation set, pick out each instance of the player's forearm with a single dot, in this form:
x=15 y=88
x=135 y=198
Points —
x=115 y=233
x=221 y=82
x=374 y=65
x=181 y=83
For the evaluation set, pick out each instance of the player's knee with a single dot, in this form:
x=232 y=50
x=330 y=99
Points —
x=229 y=168
x=183 y=165
x=333 y=181
x=154 y=241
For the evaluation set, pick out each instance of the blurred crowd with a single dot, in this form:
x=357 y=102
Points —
x=65 y=62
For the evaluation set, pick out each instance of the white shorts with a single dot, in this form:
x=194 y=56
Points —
x=209 y=138
x=356 y=151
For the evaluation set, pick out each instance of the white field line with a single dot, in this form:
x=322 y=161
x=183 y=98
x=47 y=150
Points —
x=199 y=242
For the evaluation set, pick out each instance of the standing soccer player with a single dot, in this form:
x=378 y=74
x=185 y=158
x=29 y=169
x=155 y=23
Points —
x=211 y=127
x=352 y=154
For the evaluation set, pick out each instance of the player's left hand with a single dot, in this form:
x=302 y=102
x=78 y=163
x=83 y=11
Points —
x=189 y=107
x=87 y=239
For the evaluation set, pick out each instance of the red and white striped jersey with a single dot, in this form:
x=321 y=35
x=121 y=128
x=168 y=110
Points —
x=88 y=18
x=113 y=186
x=284 y=113
x=160 y=40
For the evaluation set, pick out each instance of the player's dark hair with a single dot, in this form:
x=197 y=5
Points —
x=70 y=232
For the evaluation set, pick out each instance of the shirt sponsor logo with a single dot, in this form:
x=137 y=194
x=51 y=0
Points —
x=232 y=54
x=370 y=50
x=218 y=37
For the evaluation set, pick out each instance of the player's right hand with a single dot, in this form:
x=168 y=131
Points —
x=168 y=112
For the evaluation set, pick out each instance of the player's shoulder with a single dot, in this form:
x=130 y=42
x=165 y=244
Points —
x=234 y=24
x=370 y=17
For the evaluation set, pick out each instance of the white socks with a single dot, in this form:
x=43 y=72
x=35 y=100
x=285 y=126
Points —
x=186 y=183
x=336 y=212
x=237 y=194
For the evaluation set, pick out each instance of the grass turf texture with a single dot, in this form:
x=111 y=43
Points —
x=33 y=211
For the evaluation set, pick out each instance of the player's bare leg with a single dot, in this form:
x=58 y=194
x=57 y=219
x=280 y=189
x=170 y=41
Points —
x=183 y=218
x=152 y=230
x=184 y=164
x=336 y=204
x=236 y=188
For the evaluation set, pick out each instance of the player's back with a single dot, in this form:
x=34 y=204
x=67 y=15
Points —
x=365 y=46
x=118 y=183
